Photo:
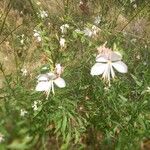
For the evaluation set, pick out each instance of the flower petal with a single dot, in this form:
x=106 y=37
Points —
x=60 y=82
x=106 y=74
x=51 y=76
x=43 y=86
x=101 y=58
x=98 y=69
x=116 y=56
x=43 y=77
x=120 y=66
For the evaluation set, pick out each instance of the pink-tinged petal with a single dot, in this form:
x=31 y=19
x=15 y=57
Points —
x=120 y=66
x=98 y=69
x=101 y=58
x=116 y=56
x=58 y=69
x=43 y=86
x=60 y=82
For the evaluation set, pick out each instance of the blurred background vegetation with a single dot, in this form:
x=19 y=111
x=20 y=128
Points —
x=87 y=114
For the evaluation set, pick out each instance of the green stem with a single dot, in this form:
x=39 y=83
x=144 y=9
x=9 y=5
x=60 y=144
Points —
x=134 y=17
x=3 y=72
x=10 y=34
x=3 y=24
x=34 y=10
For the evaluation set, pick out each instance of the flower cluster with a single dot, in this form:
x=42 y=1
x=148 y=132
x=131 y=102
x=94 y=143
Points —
x=64 y=28
x=24 y=72
x=106 y=61
x=23 y=112
x=43 y=14
x=37 y=35
x=91 y=32
x=62 y=40
x=35 y=105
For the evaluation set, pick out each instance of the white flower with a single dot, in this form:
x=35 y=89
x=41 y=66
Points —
x=97 y=20
x=88 y=32
x=91 y=32
x=105 y=65
x=24 y=71
x=39 y=39
x=34 y=106
x=37 y=35
x=62 y=42
x=43 y=14
x=23 y=112
x=1 y=138
x=135 y=6
x=46 y=81
x=64 y=28
x=95 y=30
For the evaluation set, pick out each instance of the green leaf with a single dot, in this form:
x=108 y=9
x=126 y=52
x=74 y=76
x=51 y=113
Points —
x=136 y=80
x=20 y=144
x=123 y=98
x=64 y=124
